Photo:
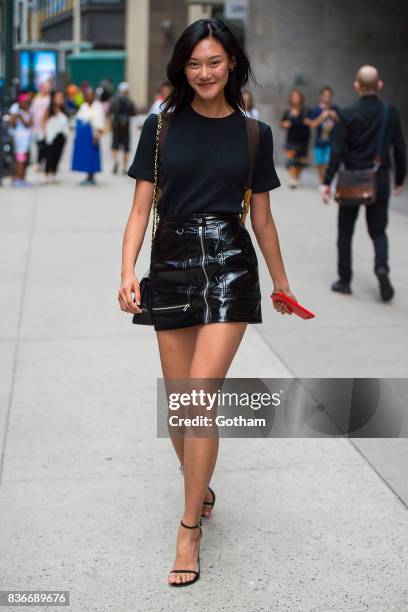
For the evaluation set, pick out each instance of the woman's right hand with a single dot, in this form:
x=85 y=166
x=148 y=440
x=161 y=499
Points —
x=129 y=285
x=281 y=306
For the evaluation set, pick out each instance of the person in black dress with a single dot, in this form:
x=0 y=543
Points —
x=294 y=120
x=204 y=273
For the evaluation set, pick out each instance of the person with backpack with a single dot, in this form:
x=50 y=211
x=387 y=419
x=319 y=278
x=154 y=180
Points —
x=121 y=110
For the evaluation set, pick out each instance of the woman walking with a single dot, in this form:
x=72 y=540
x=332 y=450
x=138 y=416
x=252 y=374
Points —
x=90 y=123
x=21 y=122
x=204 y=269
x=56 y=130
x=295 y=120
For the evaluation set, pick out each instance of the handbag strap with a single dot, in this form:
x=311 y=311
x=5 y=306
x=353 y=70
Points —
x=252 y=126
x=163 y=120
x=379 y=153
x=156 y=173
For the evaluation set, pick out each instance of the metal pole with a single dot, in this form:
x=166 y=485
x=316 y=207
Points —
x=77 y=26
x=24 y=23
x=5 y=99
x=8 y=40
x=35 y=33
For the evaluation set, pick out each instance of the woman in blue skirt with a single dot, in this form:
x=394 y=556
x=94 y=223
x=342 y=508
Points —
x=90 y=121
x=204 y=268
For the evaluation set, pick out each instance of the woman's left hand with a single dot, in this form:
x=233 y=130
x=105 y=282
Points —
x=281 y=306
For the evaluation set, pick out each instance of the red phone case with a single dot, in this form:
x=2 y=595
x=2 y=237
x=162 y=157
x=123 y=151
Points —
x=295 y=307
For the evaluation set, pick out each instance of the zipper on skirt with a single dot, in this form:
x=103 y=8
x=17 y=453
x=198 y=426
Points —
x=183 y=306
x=207 y=311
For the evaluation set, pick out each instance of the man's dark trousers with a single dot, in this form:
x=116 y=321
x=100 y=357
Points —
x=377 y=218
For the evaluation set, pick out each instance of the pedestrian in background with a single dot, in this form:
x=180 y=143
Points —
x=105 y=91
x=20 y=122
x=355 y=143
x=250 y=110
x=56 y=130
x=90 y=122
x=39 y=108
x=165 y=90
x=323 y=118
x=294 y=121
x=122 y=108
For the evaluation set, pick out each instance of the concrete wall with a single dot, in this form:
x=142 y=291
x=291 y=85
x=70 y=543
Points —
x=137 y=44
x=161 y=45
x=316 y=42
x=149 y=44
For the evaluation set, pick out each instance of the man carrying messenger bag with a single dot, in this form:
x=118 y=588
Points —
x=361 y=141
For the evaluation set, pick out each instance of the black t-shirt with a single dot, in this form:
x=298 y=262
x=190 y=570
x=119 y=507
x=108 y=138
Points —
x=205 y=162
x=298 y=133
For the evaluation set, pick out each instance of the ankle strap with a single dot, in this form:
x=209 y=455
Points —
x=191 y=526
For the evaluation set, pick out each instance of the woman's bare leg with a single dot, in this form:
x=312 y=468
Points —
x=176 y=348
x=215 y=348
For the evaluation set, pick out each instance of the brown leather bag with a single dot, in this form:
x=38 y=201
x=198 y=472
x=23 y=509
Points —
x=253 y=144
x=355 y=187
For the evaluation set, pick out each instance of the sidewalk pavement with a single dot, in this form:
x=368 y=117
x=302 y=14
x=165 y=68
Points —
x=90 y=499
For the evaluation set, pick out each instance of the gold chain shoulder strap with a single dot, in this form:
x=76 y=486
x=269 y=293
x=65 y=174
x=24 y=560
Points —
x=155 y=188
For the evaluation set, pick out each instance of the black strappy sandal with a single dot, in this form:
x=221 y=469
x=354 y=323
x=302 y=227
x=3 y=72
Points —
x=211 y=503
x=188 y=571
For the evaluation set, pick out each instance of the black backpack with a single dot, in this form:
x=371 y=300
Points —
x=122 y=112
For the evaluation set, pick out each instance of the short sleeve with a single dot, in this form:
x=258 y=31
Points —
x=143 y=162
x=285 y=116
x=265 y=177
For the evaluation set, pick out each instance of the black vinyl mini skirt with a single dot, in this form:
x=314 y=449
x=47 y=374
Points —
x=203 y=269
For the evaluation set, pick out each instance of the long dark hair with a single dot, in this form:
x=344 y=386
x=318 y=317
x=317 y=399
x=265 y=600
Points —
x=182 y=93
x=301 y=96
x=51 y=110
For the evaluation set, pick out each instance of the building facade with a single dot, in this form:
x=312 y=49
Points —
x=102 y=22
x=290 y=44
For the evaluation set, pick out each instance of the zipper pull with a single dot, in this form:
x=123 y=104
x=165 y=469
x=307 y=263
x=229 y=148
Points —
x=186 y=306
